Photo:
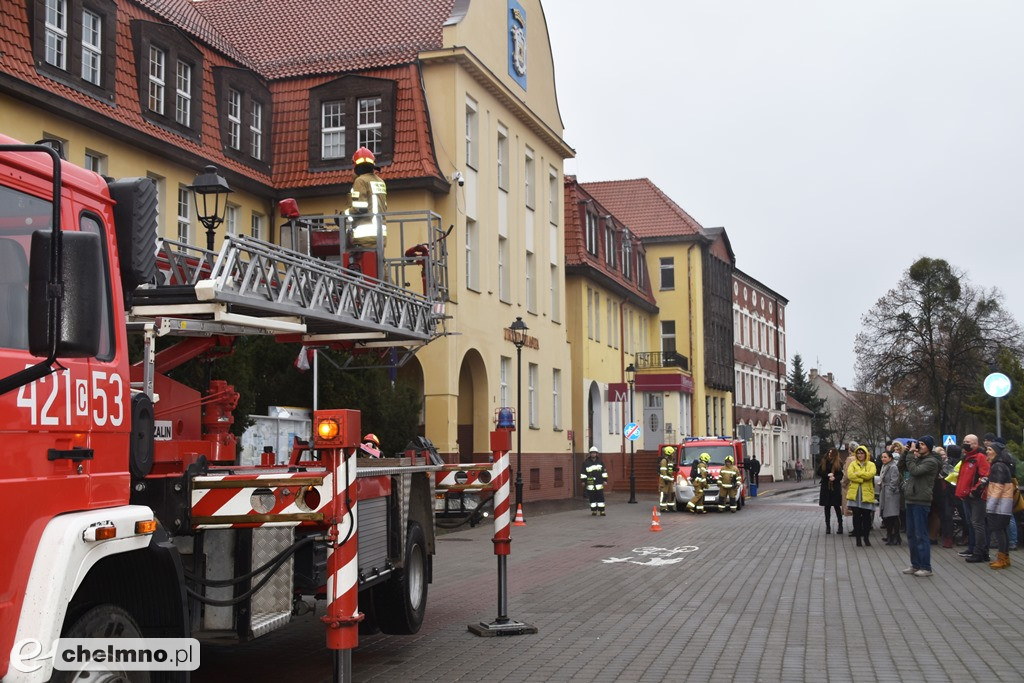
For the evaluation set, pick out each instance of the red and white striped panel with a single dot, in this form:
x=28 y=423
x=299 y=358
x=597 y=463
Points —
x=447 y=477
x=343 y=563
x=502 y=494
x=225 y=508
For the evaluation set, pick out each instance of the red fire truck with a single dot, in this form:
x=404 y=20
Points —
x=687 y=453
x=124 y=509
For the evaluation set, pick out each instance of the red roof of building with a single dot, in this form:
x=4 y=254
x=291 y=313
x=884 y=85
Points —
x=288 y=38
x=644 y=208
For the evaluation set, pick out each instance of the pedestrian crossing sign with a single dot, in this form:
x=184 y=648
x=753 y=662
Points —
x=948 y=440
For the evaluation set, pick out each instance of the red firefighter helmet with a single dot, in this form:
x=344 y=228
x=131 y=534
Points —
x=363 y=156
x=372 y=438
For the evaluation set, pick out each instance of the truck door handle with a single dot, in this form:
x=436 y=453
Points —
x=75 y=454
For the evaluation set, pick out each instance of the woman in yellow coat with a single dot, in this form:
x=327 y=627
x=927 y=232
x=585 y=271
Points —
x=860 y=498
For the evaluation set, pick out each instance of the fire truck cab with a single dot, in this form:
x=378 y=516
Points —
x=108 y=527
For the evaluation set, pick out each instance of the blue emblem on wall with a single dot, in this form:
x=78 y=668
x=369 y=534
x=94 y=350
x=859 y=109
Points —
x=517 y=43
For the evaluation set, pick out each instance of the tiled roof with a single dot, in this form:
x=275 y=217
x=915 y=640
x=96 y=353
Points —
x=576 y=254
x=185 y=15
x=795 y=406
x=307 y=37
x=644 y=208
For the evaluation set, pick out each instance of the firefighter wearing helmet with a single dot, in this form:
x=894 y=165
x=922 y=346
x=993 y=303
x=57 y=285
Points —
x=666 y=477
x=368 y=201
x=728 y=485
x=699 y=477
x=594 y=476
x=370 y=446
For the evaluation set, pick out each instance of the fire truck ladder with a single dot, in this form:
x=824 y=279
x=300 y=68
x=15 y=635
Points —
x=270 y=287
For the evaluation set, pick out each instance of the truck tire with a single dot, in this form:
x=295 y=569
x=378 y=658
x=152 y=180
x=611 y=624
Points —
x=400 y=603
x=103 y=621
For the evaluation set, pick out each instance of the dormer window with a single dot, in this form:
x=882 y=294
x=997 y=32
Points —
x=169 y=69
x=243 y=110
x=73 y=42
x=349 y=113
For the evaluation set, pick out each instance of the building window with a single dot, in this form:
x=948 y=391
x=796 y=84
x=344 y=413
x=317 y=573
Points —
x=234 y=119
x=157 y=69
x=184 y=214
x=609 y=243
x=57 y=33
x=559 y=478
x=591 y=233
x=553 y=194
x=531 y=283
x=183 y=95
x=597 y=316
x=556 y=399
x=502 y=159
x=168 y=82
x=668 y=272
x=348 y=113
x=92 y=47
x=256 y=225
x=472 y=134
x=641 y=268
x=506 y=363
x=608 y=315
x=472 y=261
x=532 y=390
x=503 y=268
x=256 y=131
x=528 y=181
x=627 y=255
x=668 y=336
x=95 y=162
x=590 y=313
x=231 y=219
x=556 y=307
x=368 y=124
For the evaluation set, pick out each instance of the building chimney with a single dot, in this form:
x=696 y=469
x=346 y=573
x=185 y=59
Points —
x=814 y=373
x=831 y=380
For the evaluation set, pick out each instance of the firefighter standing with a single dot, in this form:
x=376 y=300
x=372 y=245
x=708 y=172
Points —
x=699 y=479
x=666 y=477
x=370 y=446
x=728 y=484
x=594 y=475
x=368 y=201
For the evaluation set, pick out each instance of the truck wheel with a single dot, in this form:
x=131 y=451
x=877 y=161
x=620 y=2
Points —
x=400 y=603
x=104 y=621
x=680 y=507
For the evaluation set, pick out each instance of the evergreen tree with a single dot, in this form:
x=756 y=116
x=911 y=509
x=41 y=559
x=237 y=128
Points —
x=804 y=391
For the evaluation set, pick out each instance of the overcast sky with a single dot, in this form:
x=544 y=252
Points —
x=836 y=141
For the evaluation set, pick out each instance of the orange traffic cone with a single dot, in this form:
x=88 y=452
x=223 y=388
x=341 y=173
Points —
x=655 y=519
x=519 y=521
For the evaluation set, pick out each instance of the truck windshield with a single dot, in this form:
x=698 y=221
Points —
x=20 y=215
x=717 y=453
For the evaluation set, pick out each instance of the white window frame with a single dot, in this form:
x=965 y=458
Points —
x=597 y=316
x=556 y=399
x=183 y=94
x=231 y=219
x=369 y=129
x=56 y=26
x=532 y=391
x=332 y=130
x=184 y=215
x=95 y=162
x=92 y=47
x=667 y=265
x=553 y=195
x=531 y=282
x=234 y=119
x=529 y=183
x=608 y=315
x=472 y=133
x=472 y=255
x=502 y=159
x=505 y=368
x=556 y=303
x=667 y=335
x=256 y=130
x=591 y=233
x=590 y=313
x=609 y=242
x=157 y=78
x=504 y=286
x=256 y=225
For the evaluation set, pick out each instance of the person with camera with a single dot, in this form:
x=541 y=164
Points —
x=922 y=466
x=973 y=468
x=999 y=500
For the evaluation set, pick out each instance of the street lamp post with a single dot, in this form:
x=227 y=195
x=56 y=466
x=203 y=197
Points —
x=518 y=329
x=210 y=186
x=631 y=377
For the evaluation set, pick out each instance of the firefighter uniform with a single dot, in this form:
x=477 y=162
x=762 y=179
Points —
x=699 y=479
x=594 y=475
x=367 y=198
x=728 y=485
x=666 y=477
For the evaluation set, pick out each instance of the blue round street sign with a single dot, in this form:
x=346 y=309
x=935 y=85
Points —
x=997 y=385
x=632 y=431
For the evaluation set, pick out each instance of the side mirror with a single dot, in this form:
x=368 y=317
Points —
x=75 y=323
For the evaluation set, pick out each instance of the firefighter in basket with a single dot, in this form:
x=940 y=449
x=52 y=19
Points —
x=368 y=202
x=370 y=447
x=700 y=479
x=666 y=477
x=594 y=475
x=728 y=485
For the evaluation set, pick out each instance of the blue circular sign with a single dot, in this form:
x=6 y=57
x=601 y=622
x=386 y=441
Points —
x=997 y=385
x=632 y=431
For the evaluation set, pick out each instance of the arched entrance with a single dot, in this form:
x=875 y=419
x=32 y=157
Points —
x=411 y=374
x=473 y=404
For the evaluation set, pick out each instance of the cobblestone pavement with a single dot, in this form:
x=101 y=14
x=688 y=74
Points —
x=760 y=595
